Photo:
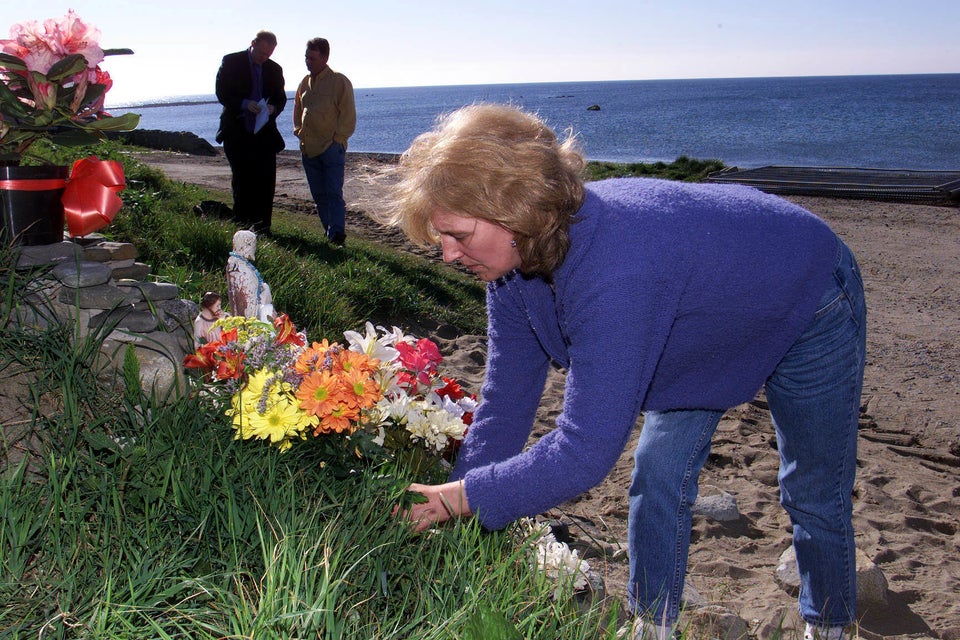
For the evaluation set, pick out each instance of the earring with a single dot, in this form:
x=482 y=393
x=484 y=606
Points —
x=513 y=243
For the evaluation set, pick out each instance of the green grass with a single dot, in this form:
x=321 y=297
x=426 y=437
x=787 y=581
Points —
x=683 y=168
x=121 y=517
x=325 y=290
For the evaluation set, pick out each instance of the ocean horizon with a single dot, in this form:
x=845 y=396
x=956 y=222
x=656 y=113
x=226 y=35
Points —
x=885 y=122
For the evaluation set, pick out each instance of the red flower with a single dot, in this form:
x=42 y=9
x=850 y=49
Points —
x=230 y=364
x=421 y=360
x=451 y=389
x=224 y=360
x=286 y=332
x=204 y=358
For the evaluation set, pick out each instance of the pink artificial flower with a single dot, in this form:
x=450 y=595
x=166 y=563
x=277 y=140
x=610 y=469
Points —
x=79 y=93
x=29 y=34
x=41 y=46
x=32 y=44
x=44 y=92
x=73 y=35
x=12 y=48
x=83 y=80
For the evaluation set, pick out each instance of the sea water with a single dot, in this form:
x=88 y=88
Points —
x=890 y=122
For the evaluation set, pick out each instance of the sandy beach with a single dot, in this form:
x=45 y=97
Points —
x=907 y=495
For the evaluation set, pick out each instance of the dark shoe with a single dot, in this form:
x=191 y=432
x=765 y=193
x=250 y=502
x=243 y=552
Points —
x=214 y=209
x=339 y=239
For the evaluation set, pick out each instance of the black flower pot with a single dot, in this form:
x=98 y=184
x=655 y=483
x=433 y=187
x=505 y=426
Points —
x=30 y=204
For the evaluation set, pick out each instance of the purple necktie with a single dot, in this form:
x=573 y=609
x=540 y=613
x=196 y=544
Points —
x=256 y=93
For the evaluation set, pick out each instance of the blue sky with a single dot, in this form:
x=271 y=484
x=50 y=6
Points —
x=385 y=43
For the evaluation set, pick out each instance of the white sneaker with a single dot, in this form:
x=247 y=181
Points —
x=641 y=629
x=824 y=633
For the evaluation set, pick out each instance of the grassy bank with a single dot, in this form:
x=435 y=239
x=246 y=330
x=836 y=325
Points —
x=121 y=517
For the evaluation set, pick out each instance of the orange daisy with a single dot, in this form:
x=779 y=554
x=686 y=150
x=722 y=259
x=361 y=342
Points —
x=350 y=360
x=312 y=358
x=340 y=420
x=319 y=393
x=360 y=388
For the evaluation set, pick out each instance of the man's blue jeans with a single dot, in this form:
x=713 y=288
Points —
x=814 y=398
x=325 y=177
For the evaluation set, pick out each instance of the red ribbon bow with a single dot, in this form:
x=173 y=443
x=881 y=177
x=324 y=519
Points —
x=90 y=200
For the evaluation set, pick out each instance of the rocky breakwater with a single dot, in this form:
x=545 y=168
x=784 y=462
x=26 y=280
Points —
x=102 y=291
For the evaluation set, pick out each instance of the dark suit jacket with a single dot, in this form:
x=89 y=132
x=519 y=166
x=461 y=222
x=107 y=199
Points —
x=233 y=87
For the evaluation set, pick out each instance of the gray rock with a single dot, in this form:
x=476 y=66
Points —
x=36 y=256
x=161 y=374
x=151 y=292
x=102 y=307
x=107 y=251
x=126 y=318
x=871 y=583
x=131 y=288
x=89 y=239
x=691 y=598
x=156 y=291
x=102 y=296
x=84 y=274
x=178 y=314
x=714 y=621
x=171 y=345
x=138 y=271
x=120 y=264
x=720 y=506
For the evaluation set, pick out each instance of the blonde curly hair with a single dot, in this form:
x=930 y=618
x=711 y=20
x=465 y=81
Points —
x=499 y=164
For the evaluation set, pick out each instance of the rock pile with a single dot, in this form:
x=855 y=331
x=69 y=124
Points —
x=101 y=288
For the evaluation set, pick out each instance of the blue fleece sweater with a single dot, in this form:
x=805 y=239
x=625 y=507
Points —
x=672 y=296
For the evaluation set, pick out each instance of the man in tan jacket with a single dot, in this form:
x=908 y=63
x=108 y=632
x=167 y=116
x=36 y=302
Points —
x=324 y=117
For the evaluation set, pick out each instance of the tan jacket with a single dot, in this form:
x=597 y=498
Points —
x=323 y=112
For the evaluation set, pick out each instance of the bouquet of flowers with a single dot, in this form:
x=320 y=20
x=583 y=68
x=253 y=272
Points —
x=52 y=86
x=382 y=390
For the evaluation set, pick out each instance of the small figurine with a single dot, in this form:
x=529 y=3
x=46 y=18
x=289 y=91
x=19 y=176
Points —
x=210 y=312
x=249 y=295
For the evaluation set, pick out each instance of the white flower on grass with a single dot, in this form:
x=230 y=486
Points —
x=555 y=559
x=558 y=560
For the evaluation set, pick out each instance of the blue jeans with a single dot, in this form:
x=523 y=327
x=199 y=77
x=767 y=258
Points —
x=325 y=177
x=814 y=398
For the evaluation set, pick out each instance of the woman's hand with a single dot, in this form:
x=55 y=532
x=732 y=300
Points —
x=444 y=501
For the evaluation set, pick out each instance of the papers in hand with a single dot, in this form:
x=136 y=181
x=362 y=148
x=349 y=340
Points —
x=262 y=117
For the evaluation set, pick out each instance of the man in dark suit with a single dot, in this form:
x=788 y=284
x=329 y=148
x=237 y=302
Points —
x=247 y=83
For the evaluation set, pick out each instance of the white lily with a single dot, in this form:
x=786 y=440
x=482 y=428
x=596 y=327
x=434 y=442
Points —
x=372 y=344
